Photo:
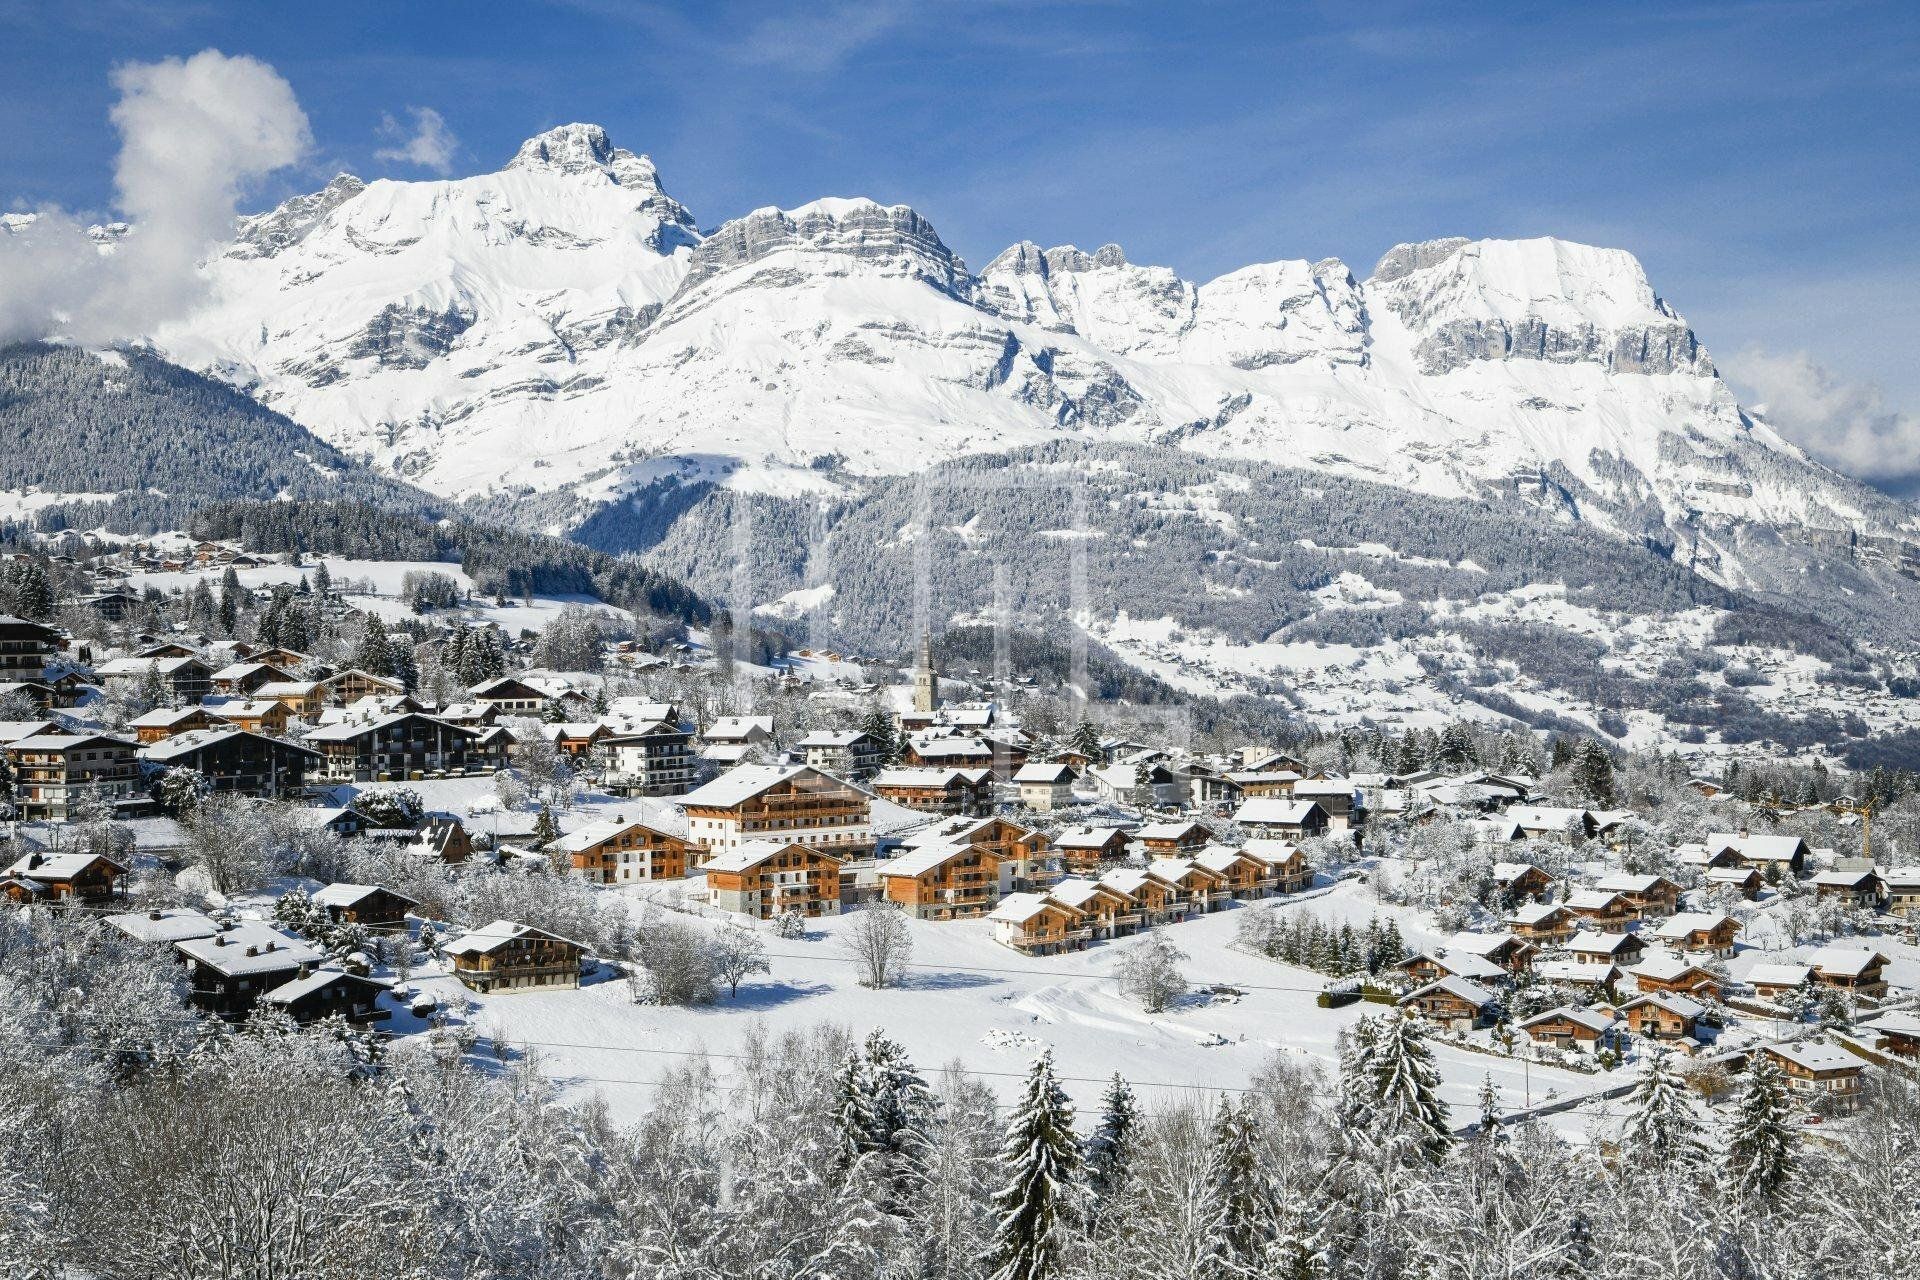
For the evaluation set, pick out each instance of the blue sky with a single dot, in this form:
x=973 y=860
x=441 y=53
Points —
x=1758 y=157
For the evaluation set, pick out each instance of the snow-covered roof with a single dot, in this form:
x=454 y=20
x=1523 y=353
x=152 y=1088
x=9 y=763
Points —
x=248 y=949
x=496 y=934
x=1595 y=1021
x=1532 y=817
x=346 y=895
x=1779 y=974
x=751 y=854
x=1846 y=879
x=1625 y=882
x=1602 y=944
x=1664 y=966
x=1816 y=1055
x=1044 y=771
x=1850 y=961
x=1176 y=870
x=67 y=741
x=739 y=728
x=929 y=777
x=1481 y=944
x=1078 y=891
x=1591 y=900
x=582 y=838
x=1757 y=848
x=175 y=924
x=1673 y=1003
x=56 y=866
x=1508 y=872
x=1086 y=837
x=319 y=980
x=1271 y=849
x=1328 y=787
x=1466 y=964
x=1128 y=880
x=1278 y=811
x=1536 y=912
x=1458 y=987
x=832 y=738
x=1677 y=927
x=920 y=860
x=1573 y=971
x=1018 y=908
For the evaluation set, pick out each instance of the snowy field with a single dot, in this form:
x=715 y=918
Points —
x=970 y=1000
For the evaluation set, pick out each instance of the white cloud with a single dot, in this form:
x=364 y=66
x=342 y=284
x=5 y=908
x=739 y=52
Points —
x=1847 y=425
x=430 y=145
x=194 y=133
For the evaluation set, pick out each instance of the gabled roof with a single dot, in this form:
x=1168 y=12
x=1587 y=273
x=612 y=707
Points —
x=226 y=952
x=1018 y=908
x=1758 y=848
x=176 y=924
x=582 y=838
x=738 y=728
x=1780 y=974
x=1536 y=912
x=1169 y=831
x=1624 y=882
x=1078 y=891
x=1603 y=944
x=1851 y=961
x=68 y=742
x=743 y=783
x=1673 y=1003
x=1045 y=772
x=1538 y=817
x=1087 y=837
x=346 y=895
x=1462 y=964
x=1485 y=944
x=752 y=853
x=1663 y=966
x=1592 y=900
x=186 y=744
x=491 y=937
x=925 y=858
x=1847 y=879
x=1278 y=811
x=1593 y=1020
x=1814 y=1055
x=928 y=777
x=1679 y=926
x=1177 y=870
x=319 y=980
x=58 y=866
x=1460 y=988
x=1508 y=872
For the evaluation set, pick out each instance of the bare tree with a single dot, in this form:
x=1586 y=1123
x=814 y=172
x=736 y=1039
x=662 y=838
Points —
x=1150 y=972
x=738 y=952
x=879 y=943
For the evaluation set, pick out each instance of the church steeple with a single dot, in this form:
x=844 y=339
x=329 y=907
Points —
x=926 y=685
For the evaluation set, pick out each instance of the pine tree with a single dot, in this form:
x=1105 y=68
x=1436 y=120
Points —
x=1240 y=1186
x=1035 y=1207
x=1394 y=1076
x=1663 y=1128
x=1760 y=1148
x=545 y=828
x=229 y=600
x=1085 y=740
x=1593 y=773
x=1489 y=1109
x=375 y=656
x=322 y=580
x=1110 y=1149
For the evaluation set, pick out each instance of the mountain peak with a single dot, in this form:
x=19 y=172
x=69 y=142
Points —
x=586 y=149
x=1405 y=259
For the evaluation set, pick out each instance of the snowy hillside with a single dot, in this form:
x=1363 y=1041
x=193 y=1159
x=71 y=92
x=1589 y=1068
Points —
x=562 y=326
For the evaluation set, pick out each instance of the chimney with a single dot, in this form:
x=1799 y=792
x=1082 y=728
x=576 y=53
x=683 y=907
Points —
x=253 y=951
x=219 y=939
x=34 y=860
x=154 y=914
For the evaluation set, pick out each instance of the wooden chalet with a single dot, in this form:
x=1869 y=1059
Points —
x=363 y=904
x=1663 y=1015
x=1779 y=979
x=1521 y=882
x=1600 y=910
x=1784 y=855
x=655 y=759
x=1648 y=895
x=1748 y=881
x=1663 y=972
x=1173 y=839
x=780 y=804
x=765 y=879
x=946 y=790
x=1903 y=892
x=1543 y=923
x=1105 y=911
x=233 y=968
x=163 y=722
x=1027 y=859
x=1510 y=951
x=849 y=753
x=347 y=687
x=1243 y=876
x=330 y=993
x=394 y=747
x=1194 y=889
x=1431 y=966
x=263 y=715
x=1823 y=1076
x=1896 y=1033
x=1453 y=1002
x=508 y=956
x=943 y=882
x=1151 y=894
x=1699 y=932
x=240 y=679
x=1624 y=949
x=1285 y=819
x=25 y=650
x=1863 y=889
x=303 y=699
x=1086 y=849
x=1553 y=824
x=1037 y=925
x=56 y=774
x=62 y=877
x=1855 y=970
x=234 y=759
x=622 y=852
x=164 y=926
x=1568 y=1027
x=1285 y=861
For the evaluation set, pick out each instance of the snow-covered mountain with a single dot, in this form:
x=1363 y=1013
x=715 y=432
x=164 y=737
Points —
x=562 y=328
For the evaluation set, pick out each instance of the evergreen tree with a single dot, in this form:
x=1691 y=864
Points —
x=545 y=828
x=230 y=601
x=1110 y=1149
x=1760 y=1148
x=375 y=655
x=1593 y=773
x=879 y=725
x=322 y=580
x=1085 y=740
x=1035 y=1207
x=1240 y=1186
x=1390 y=1075
x=1663 y=1128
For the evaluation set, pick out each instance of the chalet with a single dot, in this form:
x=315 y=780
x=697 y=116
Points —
x=240 y=679
x=508 y=956
x=1194 y=888
x=764 y=879
x=943 y=881
x=472 y=715
x=1148 y=783
x=622 y=852
x=958 y=753
x=850 y=753
x=1105 y=910
x=1085 y=848
x=1822 y=1075
x=1903 y=892
x=232 y=759
x=650 y=760
x=183 y=681
x=1521 y=882
x=1772 y=981
x=1556 y=825
x=1699 y=932
x=363 y=904
x=1575 y=973
x=1708 y=787
x=405 y=745
x=56 y=774
x=1150 y=893
x=576 y=739
x=1037 y=925
x=330 y=993
x=733 y=740
x=1623 y=949
x=1648 y=895
x=303 y=699
x=1663 y=1015
x=1243 y=876
x=1286 y=864
x=951 y=791
x=1896 y=1033
x=1453 y=1002
x=164 y=927
x=260 y=716
x=1853 y=888
x=163 y=722
x=1588 y=1030
x=113 y=605
x=1747 y=881
x=1212 y=788
x=1542 y=922
x=1044 y=787
x=1855 y=970
x=35 y=694
x=1431 y=966
x=56 y=877
x=1335 y=796
x=1510 y=952
x=1027 y=860
x=1494 y=831
x=1256 y=784
x=1705 y=859
x=442 y=838
x=1782 y=854
x=1601 y=910
x=1173 y=838
x=347 y=687
x=1282 y=819
x=289 y=660
x=25 y=649
x=1663 y=971
x=753 y=804
x=233 y=968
